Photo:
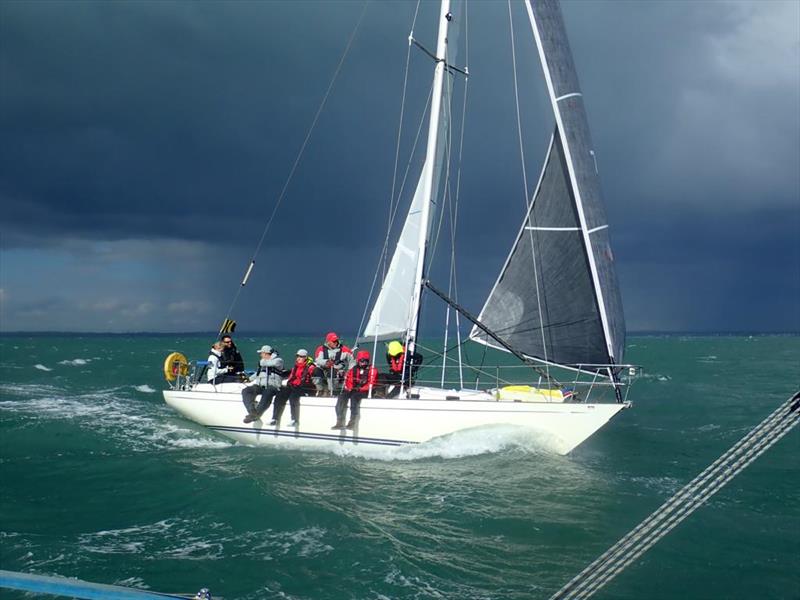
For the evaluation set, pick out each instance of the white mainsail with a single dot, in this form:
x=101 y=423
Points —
x=390 y=314
x=396 y=307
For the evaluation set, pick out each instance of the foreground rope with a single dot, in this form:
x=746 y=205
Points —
x=685 y=502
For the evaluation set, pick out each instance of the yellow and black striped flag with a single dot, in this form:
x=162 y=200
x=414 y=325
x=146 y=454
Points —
x=228 y=326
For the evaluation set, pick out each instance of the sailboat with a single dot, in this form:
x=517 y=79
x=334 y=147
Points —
x=555 y=306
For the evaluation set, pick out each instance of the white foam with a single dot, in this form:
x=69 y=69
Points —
x=470 y=442
x=140 y=426
x=707 y=359
x=709 y=427
x=663 y=485
x=75 y=362
x=146 y=389
x=179 y=538
x=41 y=367
x=199 y=443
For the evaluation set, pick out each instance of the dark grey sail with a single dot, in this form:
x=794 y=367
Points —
x=543 y=303
x=557 y=298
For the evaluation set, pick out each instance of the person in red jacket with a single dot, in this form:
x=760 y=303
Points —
x=357 y=384
x=298 y=384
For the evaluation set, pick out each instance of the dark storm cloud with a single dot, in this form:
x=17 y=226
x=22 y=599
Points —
x=179 y=121
x=132 y=119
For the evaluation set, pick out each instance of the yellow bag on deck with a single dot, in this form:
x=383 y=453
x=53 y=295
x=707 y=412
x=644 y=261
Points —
x=527 y=393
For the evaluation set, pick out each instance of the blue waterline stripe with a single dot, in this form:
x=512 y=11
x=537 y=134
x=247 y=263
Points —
x=588 y=407
x=313 y=436
x=75 y=588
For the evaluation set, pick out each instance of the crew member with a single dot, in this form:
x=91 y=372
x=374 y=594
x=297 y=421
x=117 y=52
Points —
x=266 y=381
x=357 y=384
x=332 y=360
x=215 y=372
x=401 y=371
x=231 y=357
x=298 y=384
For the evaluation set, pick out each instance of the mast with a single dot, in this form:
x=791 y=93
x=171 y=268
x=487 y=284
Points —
x=428 y=175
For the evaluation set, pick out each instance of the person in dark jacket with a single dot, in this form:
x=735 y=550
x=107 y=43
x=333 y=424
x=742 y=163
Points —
x=401 y=371
x=298 y=384
x=231 y=357
x=358 y=383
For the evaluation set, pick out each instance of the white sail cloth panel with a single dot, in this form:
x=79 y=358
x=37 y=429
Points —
x=391 y=314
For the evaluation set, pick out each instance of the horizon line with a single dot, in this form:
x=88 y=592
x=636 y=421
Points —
x=641 y=332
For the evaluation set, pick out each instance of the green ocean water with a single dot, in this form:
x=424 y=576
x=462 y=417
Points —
x=100 y=480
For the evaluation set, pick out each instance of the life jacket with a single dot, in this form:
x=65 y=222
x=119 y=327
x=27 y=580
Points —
x=336 y=352
x=360 y=379
x=300 y=375
x=396 y=362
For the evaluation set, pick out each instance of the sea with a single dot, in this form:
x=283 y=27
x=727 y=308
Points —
x=101 y=481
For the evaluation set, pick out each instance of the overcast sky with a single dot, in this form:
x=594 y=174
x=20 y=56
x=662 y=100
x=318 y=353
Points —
x=143 y=146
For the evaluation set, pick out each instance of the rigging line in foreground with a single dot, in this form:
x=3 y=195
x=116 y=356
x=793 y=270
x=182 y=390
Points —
x=609 y=570
x=711 y=479
x=684 y=503
x=299 y=156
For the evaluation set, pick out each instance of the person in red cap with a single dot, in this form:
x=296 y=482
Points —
x=332 y=359
x=357 y=384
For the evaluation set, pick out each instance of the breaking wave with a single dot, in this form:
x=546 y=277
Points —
x=75 y=362
x=137 y=425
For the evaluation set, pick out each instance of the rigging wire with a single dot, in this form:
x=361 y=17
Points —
x=452 y=284
x=297 y=159
x=528 y=203
x=478 y=371
x=691 y=497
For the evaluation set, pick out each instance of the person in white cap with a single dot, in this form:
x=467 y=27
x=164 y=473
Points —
x=298 y=384
x=266 y=381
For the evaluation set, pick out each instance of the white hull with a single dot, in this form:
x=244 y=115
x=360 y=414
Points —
x=392 y=422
